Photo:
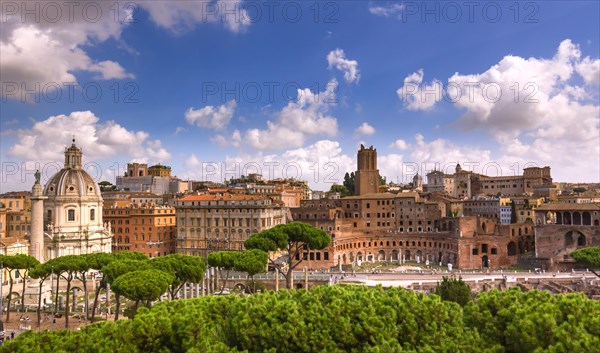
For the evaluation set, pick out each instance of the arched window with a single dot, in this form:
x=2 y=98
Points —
x=512 y=249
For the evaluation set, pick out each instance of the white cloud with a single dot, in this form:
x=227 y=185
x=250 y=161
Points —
x=223 y=141
x=418 y=96
x=179 y=130
x=555 y=114
x=180 y=16
x=400 y=144
x=46 y=139
x=306 y=117
x=365 y=129
x=337 y=59
x=536 y=109
x=191 y=163
x=211 y=117
x=386 y=11
x=321 y=164
x=48 y=50
x=51 y=47
x=590 y=70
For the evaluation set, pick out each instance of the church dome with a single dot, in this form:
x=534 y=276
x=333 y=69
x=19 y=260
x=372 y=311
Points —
x=72 y=180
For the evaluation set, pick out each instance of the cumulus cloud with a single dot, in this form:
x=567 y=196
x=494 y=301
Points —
x=49 y=48
x=48 y=42
x=180 y=16
x=211 y=117
x=322 y=164
x=540 y=109
x=386 y=10
x=46 y=139
x=418 y=96
x=400 y=144
x=365 y=129
x=337 y=59
x=223 y=141
x=298 y=120
x=589 y=69
x=422 y=156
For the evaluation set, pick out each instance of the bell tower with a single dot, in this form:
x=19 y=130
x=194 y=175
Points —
x=367 y=174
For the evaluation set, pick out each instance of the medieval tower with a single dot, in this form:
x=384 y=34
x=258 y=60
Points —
x=367 y=175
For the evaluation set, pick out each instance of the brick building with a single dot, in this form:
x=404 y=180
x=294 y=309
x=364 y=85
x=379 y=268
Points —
x=149 y=229
x=563 y=227
x=466 y=184
x=404 y=227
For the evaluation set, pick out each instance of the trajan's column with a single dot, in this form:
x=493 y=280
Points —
x=36 y=240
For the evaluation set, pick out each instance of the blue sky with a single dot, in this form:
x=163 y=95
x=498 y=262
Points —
x=179 y=83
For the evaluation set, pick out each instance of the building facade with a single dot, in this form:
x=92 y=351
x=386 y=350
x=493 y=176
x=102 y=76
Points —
x=207 y=223
x=466 y=184
x=146 y=228
x=72 y=211
x=561 y=228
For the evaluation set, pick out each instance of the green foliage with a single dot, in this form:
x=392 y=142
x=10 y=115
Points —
x=222 y=259
x=290 y=237
x=106 y=186
x=19 y=261
x=185 y=269
x=454 y=290
x=536 y=321
x=579 y=190
x=349 y=183
x=41 y=271
x=341 y=319
x=284 y=236
x=131 y=255
x=343 y=190
x=252 y=262
x=115 y=269
x=142 y=285
x=588 y=256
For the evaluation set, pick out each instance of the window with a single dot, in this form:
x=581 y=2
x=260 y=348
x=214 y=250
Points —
x=71 y=215
x=92 y=214
x=484 y=248
x=494 y=251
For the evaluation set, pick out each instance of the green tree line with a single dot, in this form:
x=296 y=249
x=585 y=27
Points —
x=341 y=319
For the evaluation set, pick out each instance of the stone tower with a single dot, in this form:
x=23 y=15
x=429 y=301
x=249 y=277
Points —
x=367 y=175
x=36 y=241
x=418 y=182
